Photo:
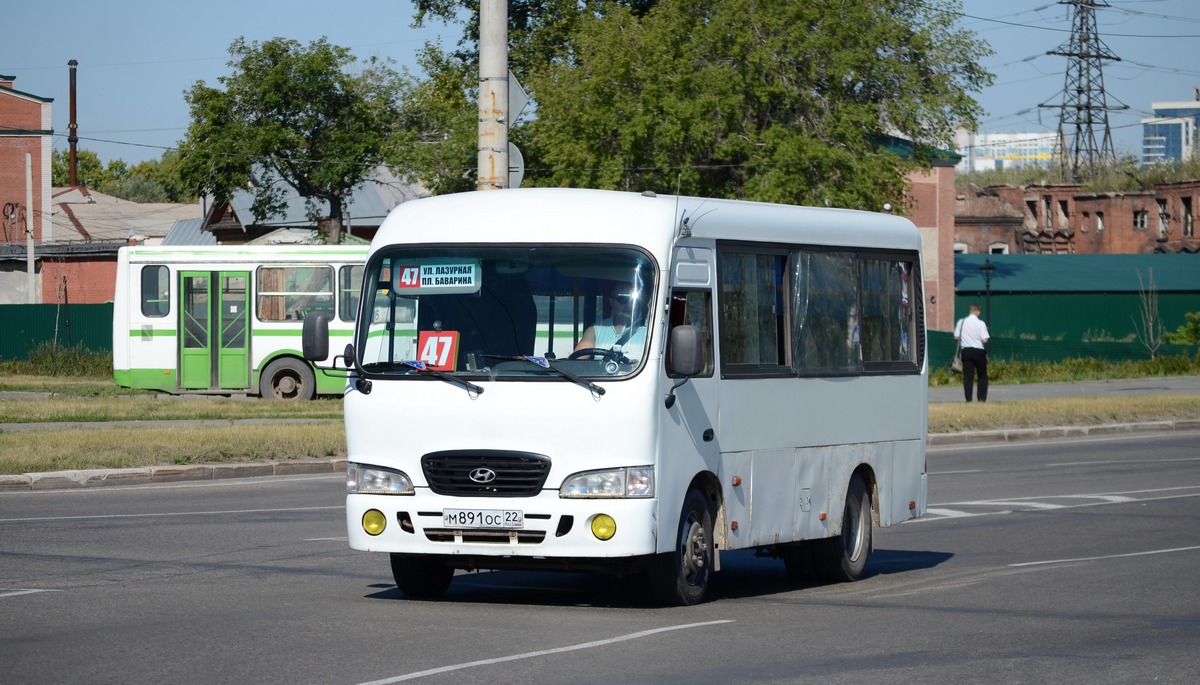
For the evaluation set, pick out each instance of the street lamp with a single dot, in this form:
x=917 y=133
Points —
x=986 y=269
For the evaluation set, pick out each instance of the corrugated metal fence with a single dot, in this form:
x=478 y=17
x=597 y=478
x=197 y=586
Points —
x=25 y=326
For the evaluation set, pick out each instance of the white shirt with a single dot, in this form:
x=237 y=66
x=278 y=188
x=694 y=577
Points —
x=971 y=332
x=607 y=337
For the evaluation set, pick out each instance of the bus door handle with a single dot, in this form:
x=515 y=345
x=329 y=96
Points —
x=708 y=435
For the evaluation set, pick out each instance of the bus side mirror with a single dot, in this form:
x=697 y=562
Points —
x=686 y=353
x=314 y=337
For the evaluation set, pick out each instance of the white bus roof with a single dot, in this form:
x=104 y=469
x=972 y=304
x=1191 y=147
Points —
x=243 y=253
x=541 y=215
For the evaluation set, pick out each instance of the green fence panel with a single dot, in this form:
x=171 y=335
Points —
x=28 y=325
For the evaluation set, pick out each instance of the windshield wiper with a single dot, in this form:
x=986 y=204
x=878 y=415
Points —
x=545 y=364
x=424 y=368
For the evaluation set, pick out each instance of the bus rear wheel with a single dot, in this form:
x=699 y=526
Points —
x=680 y=577
x=421 y=577
x=843 y=558
x=287 y=379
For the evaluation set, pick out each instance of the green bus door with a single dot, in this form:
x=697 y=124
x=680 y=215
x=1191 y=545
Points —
x=214 y=330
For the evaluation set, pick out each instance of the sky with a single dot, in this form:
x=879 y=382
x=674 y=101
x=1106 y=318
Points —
x=137 y=57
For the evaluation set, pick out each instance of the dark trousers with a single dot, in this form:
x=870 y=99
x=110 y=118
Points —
x=973 y=360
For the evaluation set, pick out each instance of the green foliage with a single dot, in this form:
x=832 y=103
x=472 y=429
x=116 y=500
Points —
x=149 y=181
x=49 y=359
x=1188 y=333
x=89 y=170
x=291 y=120
x=1121 y=175
x=1076 y=369
x=784 y=102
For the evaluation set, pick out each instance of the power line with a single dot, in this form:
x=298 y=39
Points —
x=1084 y=107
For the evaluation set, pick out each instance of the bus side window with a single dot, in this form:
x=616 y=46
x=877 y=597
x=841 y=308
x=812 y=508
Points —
x=693 y=308
x=156 y=291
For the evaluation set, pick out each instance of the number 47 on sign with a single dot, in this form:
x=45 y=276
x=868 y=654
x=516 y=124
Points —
x=439 y=349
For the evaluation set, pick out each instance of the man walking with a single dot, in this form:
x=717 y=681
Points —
x=972 y=334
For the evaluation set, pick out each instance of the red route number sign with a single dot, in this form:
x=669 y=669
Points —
x=438 y=349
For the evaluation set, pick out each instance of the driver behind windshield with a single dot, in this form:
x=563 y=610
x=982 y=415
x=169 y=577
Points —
x=624 y=329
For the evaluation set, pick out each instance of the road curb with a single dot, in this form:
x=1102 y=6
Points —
x=1053 y=432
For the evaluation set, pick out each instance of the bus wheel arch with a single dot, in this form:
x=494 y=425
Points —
x=287 y=378
x=843 y=557
x=681 y=576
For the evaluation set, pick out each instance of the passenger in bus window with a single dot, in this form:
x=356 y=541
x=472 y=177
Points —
x=625 y=328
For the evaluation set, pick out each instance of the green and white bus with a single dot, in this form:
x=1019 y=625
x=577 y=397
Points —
x=227 y=319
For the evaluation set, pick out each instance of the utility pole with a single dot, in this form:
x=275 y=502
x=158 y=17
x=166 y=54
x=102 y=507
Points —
x=1083 y=113
x=493 y=95
x=30 y=264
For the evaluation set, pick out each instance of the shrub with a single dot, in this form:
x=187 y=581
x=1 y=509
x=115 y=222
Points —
x=48 y=359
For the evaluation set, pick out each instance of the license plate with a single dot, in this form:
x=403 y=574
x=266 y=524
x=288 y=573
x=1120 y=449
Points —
x=503 y=519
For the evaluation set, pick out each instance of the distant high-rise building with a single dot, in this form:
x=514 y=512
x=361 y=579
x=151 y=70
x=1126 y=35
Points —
x=1170 y=135
x=987 y=151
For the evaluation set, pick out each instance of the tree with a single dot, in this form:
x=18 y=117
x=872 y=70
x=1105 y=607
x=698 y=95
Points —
x=1188 y=333
x=785 y=102
x=291 y=117
x=1148 y=325
x=89 y=170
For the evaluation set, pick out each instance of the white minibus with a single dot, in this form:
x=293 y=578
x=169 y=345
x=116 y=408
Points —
x=628 y=383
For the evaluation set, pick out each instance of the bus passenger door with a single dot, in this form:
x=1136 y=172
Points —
x=214 y=330
x=233 y=343
x=689 y=440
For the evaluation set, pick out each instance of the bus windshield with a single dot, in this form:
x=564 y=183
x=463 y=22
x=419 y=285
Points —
x=506 y=313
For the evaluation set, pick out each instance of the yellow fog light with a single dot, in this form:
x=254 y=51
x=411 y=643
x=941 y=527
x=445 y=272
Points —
x=604 y=527
x=374 y=522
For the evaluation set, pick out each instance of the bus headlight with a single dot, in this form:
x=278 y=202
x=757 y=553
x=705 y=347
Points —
x=373 y=480
x=634 y=481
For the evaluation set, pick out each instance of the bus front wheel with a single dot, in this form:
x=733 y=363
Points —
x=843 y=558
x=680 y=577
x=287 y=379
x=421 y=577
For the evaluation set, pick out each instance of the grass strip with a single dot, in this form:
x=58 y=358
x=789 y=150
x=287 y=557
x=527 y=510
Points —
x=85 y=409
x=953 y=417
x=96 y=448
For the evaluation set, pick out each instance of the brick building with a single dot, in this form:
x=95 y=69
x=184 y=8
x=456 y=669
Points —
x=1060 y=219
x=25 y=129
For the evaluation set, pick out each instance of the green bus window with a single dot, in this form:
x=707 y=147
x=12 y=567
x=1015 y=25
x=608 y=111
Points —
x=156 y=291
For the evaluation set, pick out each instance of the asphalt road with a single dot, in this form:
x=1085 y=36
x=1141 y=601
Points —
x=1065 y=562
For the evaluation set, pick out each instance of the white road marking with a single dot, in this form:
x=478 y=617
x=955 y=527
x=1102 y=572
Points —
x=1110 y=556
x=14 y=593
x=167 y=513
x=543 y=652
x=949 y=510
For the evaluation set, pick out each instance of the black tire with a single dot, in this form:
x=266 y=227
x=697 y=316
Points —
x=842 y=558
x=287 y=378
x=680 y=577
x=421 y=577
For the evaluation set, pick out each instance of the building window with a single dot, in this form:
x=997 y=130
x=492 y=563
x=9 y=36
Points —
x=1062 y=213
x=961 y=248
x=1141 y=219
x=1162 y=218
x=998 y=248
x=1099 y=221
x=1188 y=219
x=1047 y=206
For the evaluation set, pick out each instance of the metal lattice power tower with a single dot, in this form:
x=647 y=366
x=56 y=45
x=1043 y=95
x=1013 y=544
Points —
x=1084 y=136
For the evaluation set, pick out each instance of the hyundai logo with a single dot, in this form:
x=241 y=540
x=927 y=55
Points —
x=482 y=475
